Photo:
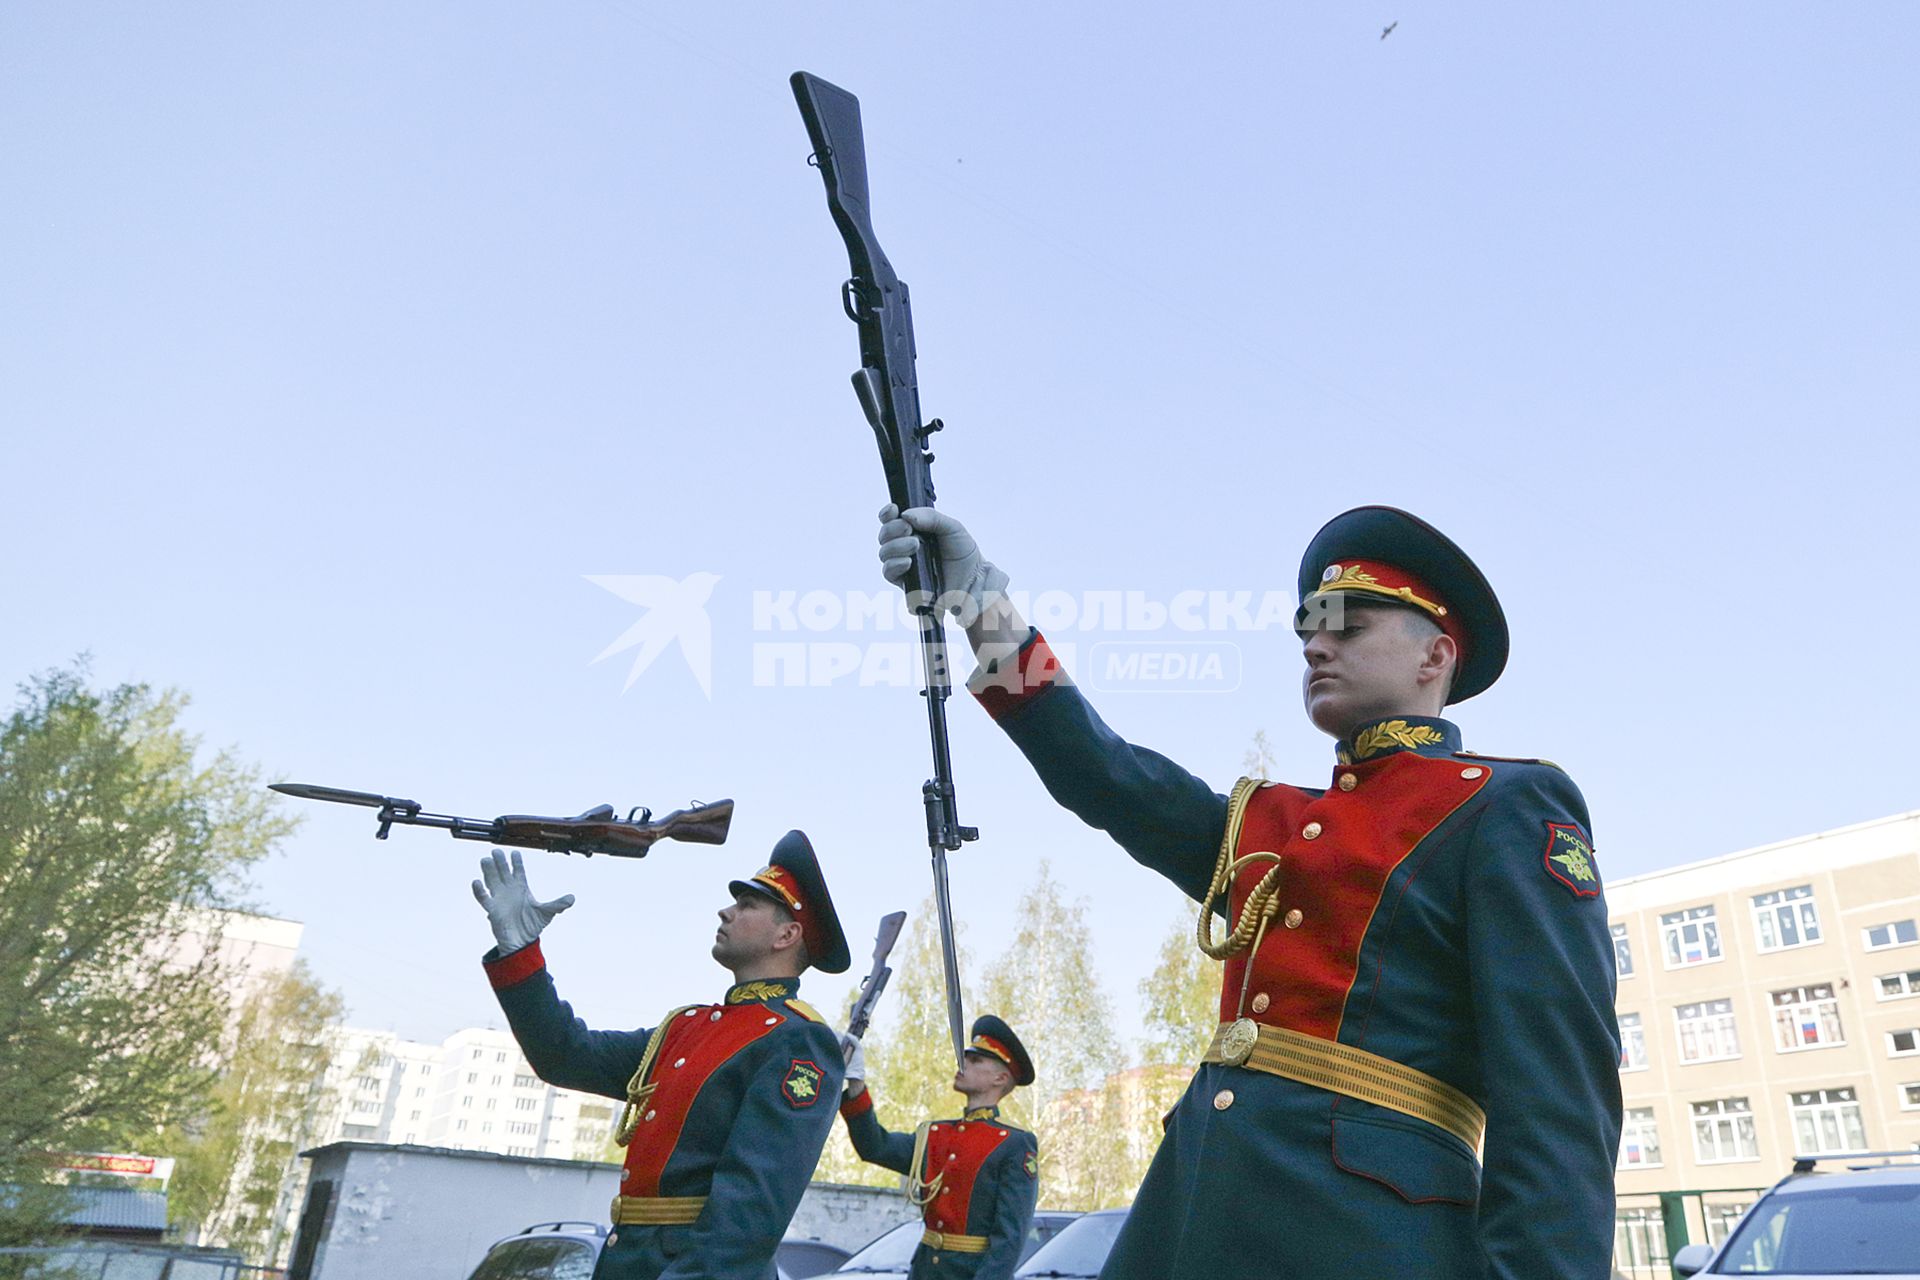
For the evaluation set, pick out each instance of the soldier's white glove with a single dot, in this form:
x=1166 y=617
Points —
x=971 y=584
x=856 y=1058
x=516 y=916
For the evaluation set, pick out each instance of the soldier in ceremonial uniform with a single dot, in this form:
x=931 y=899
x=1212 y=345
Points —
x=728 y=1104
x=1415 y=1071
x=975 y=1178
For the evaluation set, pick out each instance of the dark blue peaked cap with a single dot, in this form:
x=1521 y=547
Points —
x=792 y=878
x=1385 y=555
x=995 y=1038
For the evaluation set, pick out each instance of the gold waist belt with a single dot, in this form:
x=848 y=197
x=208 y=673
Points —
x=657 y=1211
x=1355 y=1073
x=953 y=1243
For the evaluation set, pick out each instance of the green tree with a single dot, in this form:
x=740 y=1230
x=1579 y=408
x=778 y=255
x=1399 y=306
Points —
x=1048 y=990
x=239 y=1167
x=1258 y=762
x=1180 y=998
x=118 y=842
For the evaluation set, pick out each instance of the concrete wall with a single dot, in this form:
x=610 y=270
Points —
x=849 y=1216
x=428 y=1213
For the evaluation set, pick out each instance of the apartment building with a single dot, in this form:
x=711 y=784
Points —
x=1769 y=1006
x=472 y=1091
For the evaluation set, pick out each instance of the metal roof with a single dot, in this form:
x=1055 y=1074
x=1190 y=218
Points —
x=122 y=1208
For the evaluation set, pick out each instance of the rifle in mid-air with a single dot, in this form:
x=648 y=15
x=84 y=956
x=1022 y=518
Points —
x=595 y=831
x=876 y=980
x=876 y=299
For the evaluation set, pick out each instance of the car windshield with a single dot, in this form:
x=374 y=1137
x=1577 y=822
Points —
x=1079 y=1250
x=891 y=1252
x=549 y=1259
x=1851 y=1229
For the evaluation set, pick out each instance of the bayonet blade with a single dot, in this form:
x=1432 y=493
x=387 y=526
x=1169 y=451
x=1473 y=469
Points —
x=890 y=926
x=338 y=795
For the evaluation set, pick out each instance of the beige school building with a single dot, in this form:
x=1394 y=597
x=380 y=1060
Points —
x=1769 y=1007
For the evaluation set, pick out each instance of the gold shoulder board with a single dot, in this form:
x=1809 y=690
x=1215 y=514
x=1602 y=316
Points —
x=804 y=1009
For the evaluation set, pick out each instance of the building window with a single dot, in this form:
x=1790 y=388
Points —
x=1633 y=1043
x=476 y=1055
x=1901 y=1044
x=1786 y=918
x=472 y=1077
x=519 y=1126
x=501 y=1056
x=467 y=1101
x=414 y=1116
x=1806 y=1018
x=1910 y=1096
x=1690 y=937
x=1707 y=1031
x=1639 y=1140
x=1826 y=1122
x=524 y=1082
x=1894 y=933
x=491 y=1103
x=1898 y=986
x=525 y=1104
x=1622 y=951
x=420 y=1092
x=487 y=1127
x=1723 y=1131
x=460 y=1125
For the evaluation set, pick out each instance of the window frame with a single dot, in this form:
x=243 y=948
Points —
x=1894 y=1052
x=1673 y=925
x=1622 y=949
x=1828 y=1102
x=1894 y=941
x=1651 y=1139
x=1786 y=901
x=1749 y=1152
x=1639 y=1037
x=1807 y=1002
x=1732 y=1023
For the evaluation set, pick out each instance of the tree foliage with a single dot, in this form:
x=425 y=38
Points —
x=117 y=844
x=1048 y=989
x=1180 y=998
x=239 y=1168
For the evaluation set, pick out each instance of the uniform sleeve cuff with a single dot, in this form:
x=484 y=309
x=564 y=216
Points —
x=851 y=1107
x=1005 y=685
x=515 y=967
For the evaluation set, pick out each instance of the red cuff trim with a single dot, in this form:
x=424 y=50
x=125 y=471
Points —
x=859 y=1106
x=1010 y=687
x=516 y=967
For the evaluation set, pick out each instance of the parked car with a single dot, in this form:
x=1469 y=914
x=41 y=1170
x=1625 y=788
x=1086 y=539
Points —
x=1860 y=1219
x=1079 y=1250
x=891 y=1252
x=569 y=1250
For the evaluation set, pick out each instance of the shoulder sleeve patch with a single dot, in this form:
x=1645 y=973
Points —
x=1031 y=1164
x=804 y=1009
x=1569 y=859
x=801 y=1085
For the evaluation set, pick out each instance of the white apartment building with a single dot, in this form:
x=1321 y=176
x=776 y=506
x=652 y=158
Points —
x=472 y=1091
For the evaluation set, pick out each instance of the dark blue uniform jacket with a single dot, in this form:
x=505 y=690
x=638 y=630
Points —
x=742 y=1106
x=989 y=1175
x=1436 y=908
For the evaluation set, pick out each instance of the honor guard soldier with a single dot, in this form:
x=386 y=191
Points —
x=976 y=1178
x=728 y=1104
x=1415 y=1071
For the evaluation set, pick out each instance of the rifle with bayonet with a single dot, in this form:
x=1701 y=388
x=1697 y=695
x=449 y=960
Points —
x=876 y=980
x=595 y=831
x=875 y=299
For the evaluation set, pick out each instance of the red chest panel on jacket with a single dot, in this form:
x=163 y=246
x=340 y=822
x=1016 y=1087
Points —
x=1337 y=851
x=697 y=1044
x=955 y=1151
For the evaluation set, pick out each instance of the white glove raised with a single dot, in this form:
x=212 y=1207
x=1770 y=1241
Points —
x=856 y=1058
x=971 y=584
x=502 y=891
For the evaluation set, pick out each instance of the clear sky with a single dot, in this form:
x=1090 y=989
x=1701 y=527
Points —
x=344 y=345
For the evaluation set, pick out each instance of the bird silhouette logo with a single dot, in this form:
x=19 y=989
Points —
x=676 y=612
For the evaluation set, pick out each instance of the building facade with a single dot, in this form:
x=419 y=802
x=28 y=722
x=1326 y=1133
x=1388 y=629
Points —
x=1769 y=1007
x=472 y=1091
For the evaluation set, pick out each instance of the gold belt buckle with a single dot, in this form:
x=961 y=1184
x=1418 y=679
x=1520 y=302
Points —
x=1238 y=1040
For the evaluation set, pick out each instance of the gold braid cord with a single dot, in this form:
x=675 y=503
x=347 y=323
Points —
x=919 y=1193
x=1260 y=905
x=640 y=1088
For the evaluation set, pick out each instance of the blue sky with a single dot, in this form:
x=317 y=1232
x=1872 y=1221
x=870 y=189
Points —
x=345 y=343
